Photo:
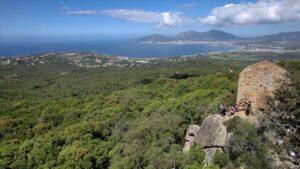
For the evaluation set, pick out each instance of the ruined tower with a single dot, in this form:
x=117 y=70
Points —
x=258 y=82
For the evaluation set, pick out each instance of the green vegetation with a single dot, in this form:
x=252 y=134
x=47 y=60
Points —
x=115 y=117
x=221 y=159
x=287 y=112
x=255 y=55
x=248 y=146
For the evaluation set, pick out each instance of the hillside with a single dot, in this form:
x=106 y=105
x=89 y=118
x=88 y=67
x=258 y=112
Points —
x=55 y=113
x=283 y=37
x=106 y=117
x=288 y=40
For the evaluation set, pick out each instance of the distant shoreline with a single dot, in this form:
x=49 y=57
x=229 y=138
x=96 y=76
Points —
x=114 y=48
x=217 y=43
x=148 y=49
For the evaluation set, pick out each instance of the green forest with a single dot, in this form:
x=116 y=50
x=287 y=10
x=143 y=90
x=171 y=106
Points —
x=119 y=117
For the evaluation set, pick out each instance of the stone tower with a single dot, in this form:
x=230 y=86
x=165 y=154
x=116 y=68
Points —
x=257 y=82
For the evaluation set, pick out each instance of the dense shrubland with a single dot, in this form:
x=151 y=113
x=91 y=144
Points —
x=248 y=146
x=132 y=117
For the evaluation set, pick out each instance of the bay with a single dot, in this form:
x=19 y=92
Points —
x=127 y=48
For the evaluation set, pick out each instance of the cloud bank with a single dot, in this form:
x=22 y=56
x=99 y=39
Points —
x=261 y=12
x=160 y=19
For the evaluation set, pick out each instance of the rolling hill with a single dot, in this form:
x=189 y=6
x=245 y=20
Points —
x=286 y=36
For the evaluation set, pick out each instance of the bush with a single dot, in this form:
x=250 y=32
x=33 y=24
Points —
x=247 y=144
x=221 y=159
x=194 y=158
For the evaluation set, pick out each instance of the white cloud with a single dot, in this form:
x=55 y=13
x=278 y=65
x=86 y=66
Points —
x=68 y=10
x=133 y=15
x=83 y=12
x=263 y=11
x=188 y=6
x=161 y=19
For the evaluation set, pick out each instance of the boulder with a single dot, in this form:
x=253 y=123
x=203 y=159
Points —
x=212 y=132
x=212 y=136
x=258 y=82
x=190 y=136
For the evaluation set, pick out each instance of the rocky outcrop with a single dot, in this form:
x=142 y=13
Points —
x=257 y=82
x=190 y=136
x=212 y=136
x=212 y=132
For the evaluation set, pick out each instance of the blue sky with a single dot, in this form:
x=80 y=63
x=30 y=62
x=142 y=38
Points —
x=132 y=18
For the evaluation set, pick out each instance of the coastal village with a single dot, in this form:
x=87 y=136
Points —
x=83 y=60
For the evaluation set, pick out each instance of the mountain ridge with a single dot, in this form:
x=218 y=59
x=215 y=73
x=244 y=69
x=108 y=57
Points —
x=217 y=35
x=208 y=35
x=290 y=36
x=154 y=38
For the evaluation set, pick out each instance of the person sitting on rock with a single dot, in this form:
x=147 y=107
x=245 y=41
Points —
x=231 y=111
x=234 y=110
x=222 y=110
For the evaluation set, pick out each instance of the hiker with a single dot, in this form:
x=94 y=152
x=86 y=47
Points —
x=288 y=130
x=292 y=154
x=232 y=110
x=222 y=110
x=229 y=111
x=279 y=142
x=236 y=109
x=248 y=109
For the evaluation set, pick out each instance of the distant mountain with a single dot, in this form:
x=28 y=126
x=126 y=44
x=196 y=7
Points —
x=154 y=38
x=216 y=35
x=189 y=35
x=287 y=40
x=212 y=35
x=284 y=37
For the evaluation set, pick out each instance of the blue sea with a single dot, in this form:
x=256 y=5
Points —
x=111 y=47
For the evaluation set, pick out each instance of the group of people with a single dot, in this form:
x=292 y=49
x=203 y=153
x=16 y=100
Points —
x=230 y=111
